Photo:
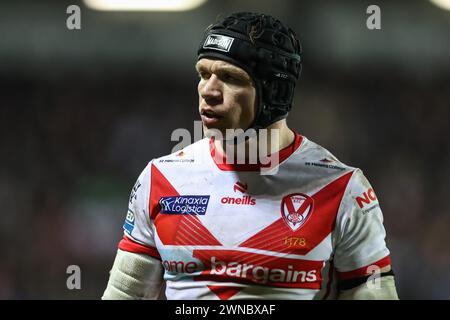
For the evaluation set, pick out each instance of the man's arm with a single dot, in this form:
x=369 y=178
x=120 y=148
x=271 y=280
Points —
x=134 y=276
x=369 y=287
x=137 y=272
x=360 y=245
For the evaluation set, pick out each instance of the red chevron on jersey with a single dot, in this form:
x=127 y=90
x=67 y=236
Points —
x=276 y=237
x=224 y=292
x=175 y=229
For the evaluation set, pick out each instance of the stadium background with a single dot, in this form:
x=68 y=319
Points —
x=83 y=111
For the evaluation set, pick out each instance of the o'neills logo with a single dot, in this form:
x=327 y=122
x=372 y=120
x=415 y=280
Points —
x=245 y=200
x=247 y=267
x=218 y=42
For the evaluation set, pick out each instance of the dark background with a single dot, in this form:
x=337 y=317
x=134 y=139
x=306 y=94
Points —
x=83 y=111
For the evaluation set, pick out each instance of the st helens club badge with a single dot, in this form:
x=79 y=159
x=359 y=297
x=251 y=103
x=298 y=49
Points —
x=296 y=209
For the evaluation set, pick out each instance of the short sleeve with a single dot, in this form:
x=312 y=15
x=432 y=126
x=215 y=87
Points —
x=360 y=234
x=138 y=228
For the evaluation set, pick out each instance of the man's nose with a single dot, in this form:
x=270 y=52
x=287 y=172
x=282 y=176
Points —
x=211 y=89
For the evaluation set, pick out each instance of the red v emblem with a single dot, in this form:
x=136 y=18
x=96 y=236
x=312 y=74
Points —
x=290 y=205
x=321 y=221
x=295 y=218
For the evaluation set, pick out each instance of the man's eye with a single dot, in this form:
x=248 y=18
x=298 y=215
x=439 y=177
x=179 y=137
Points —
x=229 y=77
x=204 y=75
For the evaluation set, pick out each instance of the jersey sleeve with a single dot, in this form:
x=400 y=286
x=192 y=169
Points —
x=360 y=235
x=138 y=228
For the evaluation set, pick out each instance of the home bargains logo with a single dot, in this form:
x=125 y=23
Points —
x=252 y=268
x=195 y=205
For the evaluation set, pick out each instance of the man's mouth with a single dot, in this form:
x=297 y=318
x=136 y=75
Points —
x=209 y=117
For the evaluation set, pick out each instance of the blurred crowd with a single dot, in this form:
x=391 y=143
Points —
x=73 y=144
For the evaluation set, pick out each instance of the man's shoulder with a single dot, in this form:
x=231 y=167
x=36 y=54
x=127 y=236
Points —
x=188 y=154
x=323 y=163
x=311 y=154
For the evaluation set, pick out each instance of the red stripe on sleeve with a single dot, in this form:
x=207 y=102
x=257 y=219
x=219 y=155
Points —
x=361 y=272
x=126 y=244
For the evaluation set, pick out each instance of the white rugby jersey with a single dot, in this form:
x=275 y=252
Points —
x=225 y=231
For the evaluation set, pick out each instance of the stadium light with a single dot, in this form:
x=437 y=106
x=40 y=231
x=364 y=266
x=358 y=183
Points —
x=443 y=4
x=143 y=5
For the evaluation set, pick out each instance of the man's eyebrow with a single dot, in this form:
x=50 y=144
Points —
x=235 y=71
x=200 y=67
x=230 y=69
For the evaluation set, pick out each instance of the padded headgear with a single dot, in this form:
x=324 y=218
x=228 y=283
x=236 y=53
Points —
x=267 y=50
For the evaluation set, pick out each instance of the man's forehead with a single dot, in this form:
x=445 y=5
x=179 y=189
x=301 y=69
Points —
x=216 y=64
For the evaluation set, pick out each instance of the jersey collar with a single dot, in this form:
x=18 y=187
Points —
x=223 y=165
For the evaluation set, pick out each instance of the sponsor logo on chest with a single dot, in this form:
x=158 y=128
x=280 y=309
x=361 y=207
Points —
x=193 y=205
x=248 y=268
x=239 y=187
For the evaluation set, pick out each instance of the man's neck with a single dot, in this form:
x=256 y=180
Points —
x=269 y=141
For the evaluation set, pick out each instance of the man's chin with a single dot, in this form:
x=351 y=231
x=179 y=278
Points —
x=217 y=133
x=225 y=134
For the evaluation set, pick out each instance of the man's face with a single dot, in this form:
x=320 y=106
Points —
x=227 y=96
